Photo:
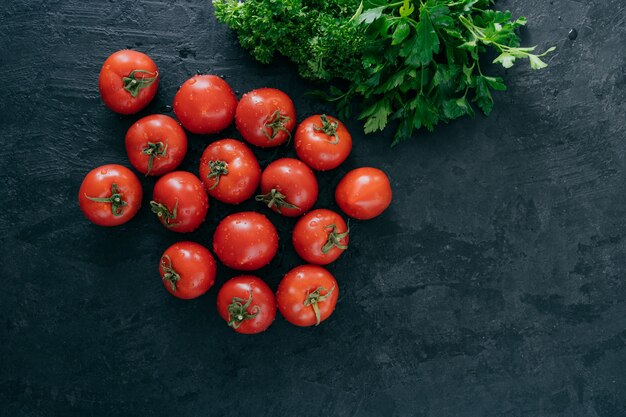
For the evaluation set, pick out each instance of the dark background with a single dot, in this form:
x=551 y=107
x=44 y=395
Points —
x=494 y=285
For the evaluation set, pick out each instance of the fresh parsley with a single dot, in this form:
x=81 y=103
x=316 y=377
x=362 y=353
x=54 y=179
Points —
x=415 y=62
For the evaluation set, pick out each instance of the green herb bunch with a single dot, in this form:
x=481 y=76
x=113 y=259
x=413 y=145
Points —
x=317 y=35
x=416 y=62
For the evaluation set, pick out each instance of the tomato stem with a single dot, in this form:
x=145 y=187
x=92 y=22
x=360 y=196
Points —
x=134 y=85
x=275 y=199
x=164 y=213
x=218 y=168
x=329 y=128
x=170 y=275
x=315 y=297
x=334 y=239
x=238 y=311
x=154 y=150
x=115 y=200
x=275 y=124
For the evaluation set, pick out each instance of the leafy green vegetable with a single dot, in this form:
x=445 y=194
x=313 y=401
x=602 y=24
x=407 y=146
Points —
x=416 y=62
x=318 y=36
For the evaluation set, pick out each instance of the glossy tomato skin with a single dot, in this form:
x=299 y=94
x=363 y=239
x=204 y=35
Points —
x=242 y=176
x=294 y=180
x=187 y=270
x=265 y=117
x=101 y=183
x=323 y=142
x=261 y=311
x=245 y=241
x=320 y=237
x=157 y=137
x=120 y=65
x=205 y=104
x=364 y=193
x=184 y=192
x=297 y=285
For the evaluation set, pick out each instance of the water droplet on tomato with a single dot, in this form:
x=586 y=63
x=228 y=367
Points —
x=192 y=81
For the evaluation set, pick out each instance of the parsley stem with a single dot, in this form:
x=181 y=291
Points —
x=479 y=69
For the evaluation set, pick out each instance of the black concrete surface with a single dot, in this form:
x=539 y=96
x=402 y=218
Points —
x=495 y=284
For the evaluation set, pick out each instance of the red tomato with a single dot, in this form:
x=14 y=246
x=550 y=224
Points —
x=187 y=270
x=363 y=193
x=156 y=144
x=110 y=195
x=320 y=237
x=307 y=295
x=247 y=304
x=245 y=241
x=265 y=117
x=128 y=81
x=205 y=104
x=180 y=202
x=229 y=171
x=323 y=142
x=288 y=187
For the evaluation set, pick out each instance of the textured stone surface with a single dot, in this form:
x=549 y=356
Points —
x=493 y=286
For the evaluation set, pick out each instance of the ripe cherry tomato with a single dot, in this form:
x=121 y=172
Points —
x=180 y=201
x=205 y=104
x=229 y=171
x=288 y=187
x=265 y=117
x=245 y=241
x=363 y=193
x=128 y=81
x=156 y=144
x=247 y=304
x=307 y=295
x=323 y=142
x=187 y=270
x=110 y=195
x=320 y=236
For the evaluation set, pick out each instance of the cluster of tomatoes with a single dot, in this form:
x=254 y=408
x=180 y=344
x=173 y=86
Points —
x=230 y=173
